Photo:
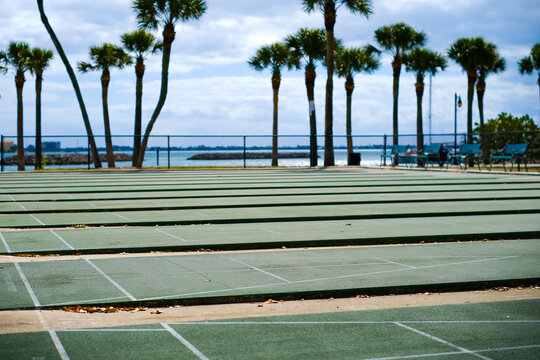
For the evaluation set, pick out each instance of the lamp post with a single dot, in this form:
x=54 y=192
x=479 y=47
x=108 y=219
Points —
x=457 y=103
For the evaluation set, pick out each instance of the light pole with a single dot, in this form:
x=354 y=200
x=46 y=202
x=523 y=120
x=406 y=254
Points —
x=457 y=103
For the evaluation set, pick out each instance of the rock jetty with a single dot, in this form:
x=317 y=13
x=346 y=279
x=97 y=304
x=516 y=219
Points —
x=65 y=159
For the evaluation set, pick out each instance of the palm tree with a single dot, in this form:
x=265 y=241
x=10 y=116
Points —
x=421 y=61
x=274 y=57
x=348 y=63
x=398 y=39
x=310 y=46
x=530 y=63
x=104 y=58
x=39 y=61
x=151 y=14
x=3 y=64
x=329 y=9
x=492 y=63
x=18 y=56
x=470 y=53
x=139 y=43
x=73 y=78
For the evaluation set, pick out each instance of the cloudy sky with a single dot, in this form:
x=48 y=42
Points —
x=213 y=91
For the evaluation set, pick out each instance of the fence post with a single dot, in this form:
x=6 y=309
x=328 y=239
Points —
x=88 y=153
x=168 y=151
x=244 y=151
x=157 y=156
x=384 y=150
x=2 y=154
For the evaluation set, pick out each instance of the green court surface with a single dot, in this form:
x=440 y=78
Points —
x=241 y=276
x=504 y=330
x=269 y=234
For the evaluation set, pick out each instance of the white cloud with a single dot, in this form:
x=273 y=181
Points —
x=212 y=90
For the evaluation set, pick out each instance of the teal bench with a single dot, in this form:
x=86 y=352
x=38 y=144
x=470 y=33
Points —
x=515 y=153
x=396 y=151
x=465 y=153
x=430 y=154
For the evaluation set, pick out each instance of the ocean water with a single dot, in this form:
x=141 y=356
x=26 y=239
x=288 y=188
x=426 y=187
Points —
x=180 y=158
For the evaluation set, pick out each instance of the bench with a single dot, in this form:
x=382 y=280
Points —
x=430 y=154
x=465 y=153
x=396 y=152
x=513 y=153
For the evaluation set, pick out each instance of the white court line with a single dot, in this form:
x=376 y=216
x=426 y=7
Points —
x=35 y=218
x=353 y=322
x=261 y=270
x=62 y=240
x=27 y=285
x=111 y=330
x=8 y=249
x=462 y=349
x=394 y=262
x=329 y=278
x=8 y=280
x=16 y=202
x=121 y=217
x=273 y=232
x=111 y=280
x=85 y=301
x=454 y=353
x=171 y=235
x=186 y=343
x=58 y=344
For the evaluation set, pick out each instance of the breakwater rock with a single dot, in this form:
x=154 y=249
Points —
x=65 y=159
x=249 y=155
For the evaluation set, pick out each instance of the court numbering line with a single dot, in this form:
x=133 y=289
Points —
x=62 y=239
x=186 y=343
x=462 y=349
x=111 y=280
x=261 y=270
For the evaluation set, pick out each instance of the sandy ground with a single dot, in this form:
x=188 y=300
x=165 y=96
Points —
x=44 y=320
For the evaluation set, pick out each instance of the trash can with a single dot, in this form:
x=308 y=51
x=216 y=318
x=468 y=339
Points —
x=354 y=159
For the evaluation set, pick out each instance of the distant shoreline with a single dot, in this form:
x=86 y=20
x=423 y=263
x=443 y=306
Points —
x=249 y=155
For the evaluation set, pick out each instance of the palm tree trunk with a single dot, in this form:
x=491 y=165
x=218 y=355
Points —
x=310 y=87
x=168 y=38
x=330 y=21
x=73 y=78
x=19 y=83
x=538 y=82
x=276 y=82
x=349 y=88
x=419 y=120
x=37 y=157
x=471 y=81
x=480 y=91
x=396 y=65
x=139 y=71
x=105 y=79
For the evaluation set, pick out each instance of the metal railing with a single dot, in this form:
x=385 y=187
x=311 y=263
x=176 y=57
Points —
x=173 y=150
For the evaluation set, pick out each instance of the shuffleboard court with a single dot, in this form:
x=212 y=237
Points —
x=240 y=276
x=218 y=215
x=38 y=207
x=504 y=330
x=269 y=235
